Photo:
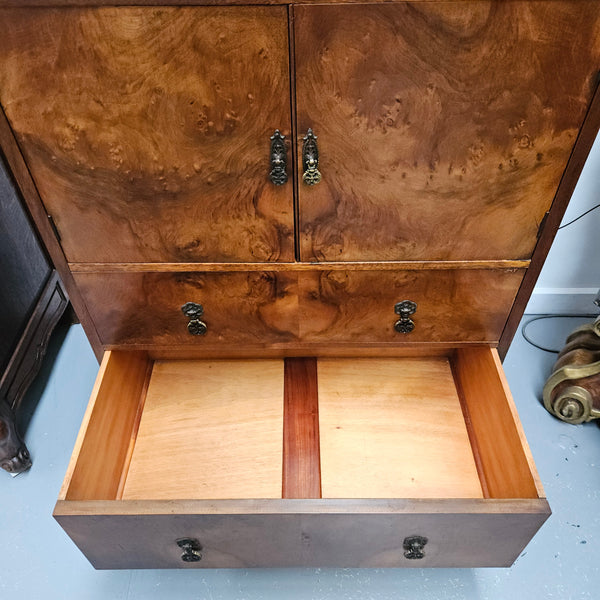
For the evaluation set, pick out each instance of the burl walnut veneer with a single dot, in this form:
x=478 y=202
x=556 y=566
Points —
x=301 y=237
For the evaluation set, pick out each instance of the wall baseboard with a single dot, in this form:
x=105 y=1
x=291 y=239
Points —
x=559 y=301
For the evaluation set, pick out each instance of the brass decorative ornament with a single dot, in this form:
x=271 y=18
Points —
x=572 y=392
x=193 y=312
x=405 y=308
x=278 y=174
x=310 y=159
x=191 y=549
x=414 y=547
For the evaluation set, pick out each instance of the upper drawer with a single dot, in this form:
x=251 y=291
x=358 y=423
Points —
x=240 y=308
x=453 y=305
x=299 y=308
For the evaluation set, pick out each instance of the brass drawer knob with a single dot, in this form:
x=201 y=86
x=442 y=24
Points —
x=414 y=547
x=191 y=549
x=193 y=312
x=278 y=174
x=405 y=308
x=310 y=159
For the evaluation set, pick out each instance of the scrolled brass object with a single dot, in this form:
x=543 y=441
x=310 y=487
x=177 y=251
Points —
x=310 y=159
x=572 y=392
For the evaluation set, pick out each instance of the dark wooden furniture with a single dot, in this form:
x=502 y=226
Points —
x=297 y=357
x=32 y=300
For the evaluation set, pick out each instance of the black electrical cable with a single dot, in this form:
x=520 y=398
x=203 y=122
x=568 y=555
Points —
x=587 y=212
x=567 y=316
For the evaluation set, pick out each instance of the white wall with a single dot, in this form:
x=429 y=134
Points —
x=570 y=278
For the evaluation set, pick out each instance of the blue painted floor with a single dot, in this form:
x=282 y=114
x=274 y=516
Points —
x=563 y=561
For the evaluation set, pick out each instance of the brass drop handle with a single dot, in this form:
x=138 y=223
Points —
x=414 y=547
x=310 y=159
x=405 y=308
x=193 y=312
x=278 y=174
x=191 y=549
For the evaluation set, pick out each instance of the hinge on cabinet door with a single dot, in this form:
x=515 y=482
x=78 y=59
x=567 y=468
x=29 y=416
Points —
x=54 y=228
x=541 y=227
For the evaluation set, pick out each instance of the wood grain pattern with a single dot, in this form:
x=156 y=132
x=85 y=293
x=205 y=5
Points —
x=22 y=177
x=505 y=456
x=101 y=448
x=358 y=306
x=301 y=454
x=443 y=128
x=210 y=430
x=423 y=265
x=289 y=309
x=292 y=533
x=257 y=308
x=393 y=428
x=585 y=140
x=147 y=130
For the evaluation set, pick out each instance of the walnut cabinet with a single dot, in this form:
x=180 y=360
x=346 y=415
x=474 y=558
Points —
x=296 y=235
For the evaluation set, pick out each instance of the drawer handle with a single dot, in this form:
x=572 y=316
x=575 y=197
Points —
x=278 y=173
x=414 y=547
x=405 y=308
x=191 y=549
x=310 y=159
x=193 y=312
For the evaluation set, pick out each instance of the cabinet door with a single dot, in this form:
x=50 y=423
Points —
x=147 y=130
x=443 y=127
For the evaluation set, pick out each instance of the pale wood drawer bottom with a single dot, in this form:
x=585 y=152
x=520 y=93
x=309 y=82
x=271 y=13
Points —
x=302 y=462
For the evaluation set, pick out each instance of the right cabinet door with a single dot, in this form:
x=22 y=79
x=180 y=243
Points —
x=443 y=128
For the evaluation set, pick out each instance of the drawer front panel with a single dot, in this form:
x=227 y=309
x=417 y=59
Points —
x=484 y=537
x=146 y=308
x=300 y=308
x=461 y=305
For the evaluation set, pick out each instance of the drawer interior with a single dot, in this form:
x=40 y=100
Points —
x=410 y=427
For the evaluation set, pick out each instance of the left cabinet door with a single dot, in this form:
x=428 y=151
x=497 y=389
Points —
x=147 y=130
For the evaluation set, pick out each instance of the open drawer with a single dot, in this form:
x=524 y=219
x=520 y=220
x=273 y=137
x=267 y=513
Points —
x=392 y=462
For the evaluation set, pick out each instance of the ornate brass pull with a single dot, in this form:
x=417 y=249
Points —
x=191 y=549
x=310 y=159
x=193 y=312
x=278 y=173
x=414 y=546
x=405 y=308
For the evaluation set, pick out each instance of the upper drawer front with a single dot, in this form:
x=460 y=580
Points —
x=240 y=308
x=302 y=309
x=147 y=129
x=460 y=305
